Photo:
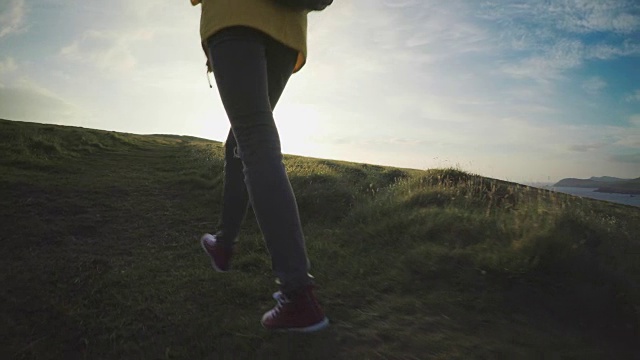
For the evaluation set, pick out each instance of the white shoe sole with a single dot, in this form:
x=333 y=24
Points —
x=213 y=263
x=309 y=329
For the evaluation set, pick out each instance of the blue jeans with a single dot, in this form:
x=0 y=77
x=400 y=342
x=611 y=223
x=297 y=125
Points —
x=251 y=70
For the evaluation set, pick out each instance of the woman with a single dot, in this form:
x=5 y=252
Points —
x=253 y=47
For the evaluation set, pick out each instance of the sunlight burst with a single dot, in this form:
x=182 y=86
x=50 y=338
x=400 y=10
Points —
x=297 y=125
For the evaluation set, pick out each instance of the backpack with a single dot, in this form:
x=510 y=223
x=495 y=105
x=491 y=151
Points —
x=311 y=5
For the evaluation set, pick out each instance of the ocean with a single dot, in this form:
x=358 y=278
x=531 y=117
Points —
x=633 y=200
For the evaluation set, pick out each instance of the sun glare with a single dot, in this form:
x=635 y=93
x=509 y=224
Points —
x=297 y=125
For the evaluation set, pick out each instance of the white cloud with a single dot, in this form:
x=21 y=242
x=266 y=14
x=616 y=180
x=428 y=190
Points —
x=633 y=97
x=593 y=85
x=7 y=66
x=547 y=38
x=28 y=101
x=586 y=147
x=612 y=51
x=12 y=16
x=630 y=136
x=107 y=50
x=575 y=16
x=632 y=158
x=602 y=15
x=602 y=141
x=550 y=63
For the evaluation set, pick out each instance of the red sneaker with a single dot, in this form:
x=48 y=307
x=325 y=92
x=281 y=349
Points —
x=220 y=255
x=300 y=313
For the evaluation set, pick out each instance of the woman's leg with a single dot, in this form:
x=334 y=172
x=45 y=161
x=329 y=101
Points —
x=239 y=58
x=280 y=62
x=235 y=199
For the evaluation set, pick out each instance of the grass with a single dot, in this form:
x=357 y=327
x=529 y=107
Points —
x=101 y=259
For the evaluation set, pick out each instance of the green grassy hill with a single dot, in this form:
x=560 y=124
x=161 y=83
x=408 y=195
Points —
x=101 y=259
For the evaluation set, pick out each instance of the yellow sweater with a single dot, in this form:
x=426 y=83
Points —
x=281 y=23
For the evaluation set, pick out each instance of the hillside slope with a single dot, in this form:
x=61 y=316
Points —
x=101 y=259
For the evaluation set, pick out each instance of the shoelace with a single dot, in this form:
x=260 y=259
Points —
x=281 y=299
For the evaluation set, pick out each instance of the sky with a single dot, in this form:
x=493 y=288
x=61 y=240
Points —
x=525 y=91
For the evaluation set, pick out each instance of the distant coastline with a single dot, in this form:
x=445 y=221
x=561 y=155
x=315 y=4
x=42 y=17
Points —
x=618 y=198
x=614 y=190
x=625 y=199
x=604 y=184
